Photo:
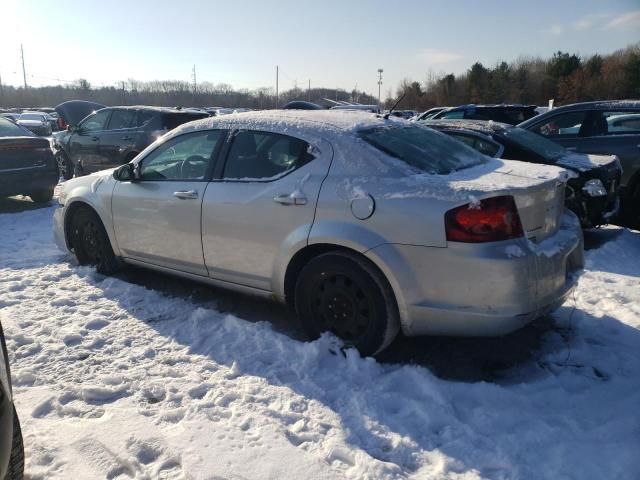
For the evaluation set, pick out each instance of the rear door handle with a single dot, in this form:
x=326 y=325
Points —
x=95 y=139
x=127 y=138
x=186 y=194
x=573 y=149
x=291 y=199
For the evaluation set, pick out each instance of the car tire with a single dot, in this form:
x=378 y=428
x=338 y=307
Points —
x=347 y=295
x=16 y=460
x=42 y=196
x=91 y=243
x=65 y=166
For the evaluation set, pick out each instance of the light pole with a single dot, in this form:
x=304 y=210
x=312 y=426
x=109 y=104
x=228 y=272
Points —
x=379 y=84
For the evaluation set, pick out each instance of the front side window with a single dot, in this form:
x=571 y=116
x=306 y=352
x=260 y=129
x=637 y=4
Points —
x=450 y=115
x=423 y=148
x=186 y=157
x=121 y=119
x=263 y=155
x=565 y=125
x=95 y=122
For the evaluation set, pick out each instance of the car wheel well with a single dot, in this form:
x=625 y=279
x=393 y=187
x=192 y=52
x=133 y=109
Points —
x=72 y=210
x=303 y=256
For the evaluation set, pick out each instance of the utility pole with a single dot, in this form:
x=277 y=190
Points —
x=309 y=91
x=24 y=73
x=379 y=84
x=123 y=94
x=277 y=73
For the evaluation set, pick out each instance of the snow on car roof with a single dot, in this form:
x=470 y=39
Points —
x=483 y=126
x=336 y=120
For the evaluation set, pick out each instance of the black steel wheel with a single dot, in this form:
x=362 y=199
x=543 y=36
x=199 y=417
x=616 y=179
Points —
x=346 y=295
x=91 y=243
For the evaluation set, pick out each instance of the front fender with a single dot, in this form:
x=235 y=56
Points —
x=97 y=195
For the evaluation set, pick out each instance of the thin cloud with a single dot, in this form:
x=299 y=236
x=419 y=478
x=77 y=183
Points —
x=629 y=19
x=438 y=57
x=556 y=29
x=591 y=21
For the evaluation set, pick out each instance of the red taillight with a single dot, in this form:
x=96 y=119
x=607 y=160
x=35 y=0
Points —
x=490 y=220
x=62 y=125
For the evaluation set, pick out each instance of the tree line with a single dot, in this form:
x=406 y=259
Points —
x=564 y=77
x=171 y=93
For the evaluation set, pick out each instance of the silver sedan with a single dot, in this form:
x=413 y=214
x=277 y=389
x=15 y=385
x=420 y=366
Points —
x=365 y=225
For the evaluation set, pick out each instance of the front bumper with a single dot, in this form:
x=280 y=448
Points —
x=483 y=289
x=27 y=181
x=58 y=229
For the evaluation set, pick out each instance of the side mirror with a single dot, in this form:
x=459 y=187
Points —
x=126 y=173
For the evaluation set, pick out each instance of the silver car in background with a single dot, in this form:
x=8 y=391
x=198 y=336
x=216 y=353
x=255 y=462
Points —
x=365 y=225
x=37 y=122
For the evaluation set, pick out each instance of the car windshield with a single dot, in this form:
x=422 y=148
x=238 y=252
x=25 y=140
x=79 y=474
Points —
x=423 y=148
x=545 y=148
x=10 y=129
x=31 y=116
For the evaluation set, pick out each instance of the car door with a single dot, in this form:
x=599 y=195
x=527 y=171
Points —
x=118 y=139
x=157 y=217
x=263 y=200
x=84 y=145
x=607 y=136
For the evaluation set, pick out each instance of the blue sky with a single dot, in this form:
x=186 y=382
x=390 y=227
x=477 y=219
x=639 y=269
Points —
x=332 y=43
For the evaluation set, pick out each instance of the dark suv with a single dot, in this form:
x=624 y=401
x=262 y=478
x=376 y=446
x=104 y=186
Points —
x=11 y=447
x=112 y=136
x=511 y=114
x=611 y=127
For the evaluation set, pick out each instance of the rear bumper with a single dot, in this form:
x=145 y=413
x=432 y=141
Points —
x=483 y=289
x=25 y=182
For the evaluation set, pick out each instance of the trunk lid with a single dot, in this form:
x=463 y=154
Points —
x=538 y=191
x=19 y=153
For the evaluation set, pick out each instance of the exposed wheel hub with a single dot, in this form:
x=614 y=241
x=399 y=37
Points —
x=343 y=306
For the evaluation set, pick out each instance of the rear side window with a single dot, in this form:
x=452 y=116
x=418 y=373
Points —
x=485 y=147
x=263 y=155
x=457 y=114
x=121 y=119
x=144 y=118
x=423 y=148
x=173 y=120
x=563 y=125
x=621 y=123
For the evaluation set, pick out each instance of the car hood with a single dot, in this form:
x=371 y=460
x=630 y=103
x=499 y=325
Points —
x=582 y=162
x=75 y=110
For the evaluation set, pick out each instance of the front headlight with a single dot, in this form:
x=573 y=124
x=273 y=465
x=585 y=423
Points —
x=62 y=196
x=594 y=188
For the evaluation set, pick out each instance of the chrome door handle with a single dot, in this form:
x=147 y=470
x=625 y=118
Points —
x=186 y=194
x=291 y=199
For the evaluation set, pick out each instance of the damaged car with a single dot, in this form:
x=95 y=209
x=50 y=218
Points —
x=111 y=136
x=593 y=192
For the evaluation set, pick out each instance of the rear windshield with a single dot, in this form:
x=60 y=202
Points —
x=547 y=149
x=173 y=120
x=10 y=129
x=423 y=148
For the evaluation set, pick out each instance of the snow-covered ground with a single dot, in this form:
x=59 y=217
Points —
x=123 y=378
